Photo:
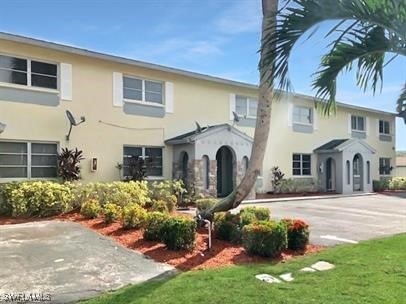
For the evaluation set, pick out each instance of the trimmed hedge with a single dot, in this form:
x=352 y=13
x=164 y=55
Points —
x=154 y=226
x=227 y=227
x=298 y=233
x=133 y=216
x=159 y=206
x=205 y=204
x=90 y=209
x=264 y=238
x=179 y=233
x=260 y=213
x=111 y=212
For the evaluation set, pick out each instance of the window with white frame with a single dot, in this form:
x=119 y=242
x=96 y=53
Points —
x=152 y=157
x=32 y=73
x=302 y=115
x=384 y=166
x=142 y=90
x=384 y=127
x=246 y=106
x=301 y=164
x=357 y=123
x=28 y=160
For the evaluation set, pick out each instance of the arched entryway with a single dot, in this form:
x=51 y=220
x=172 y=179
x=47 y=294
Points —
x=330 y=174
x=357 y=173
x=225 y=171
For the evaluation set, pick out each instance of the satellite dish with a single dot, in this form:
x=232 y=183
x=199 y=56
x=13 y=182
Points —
x=198 y=127
x=72 y=122
x=236 y=117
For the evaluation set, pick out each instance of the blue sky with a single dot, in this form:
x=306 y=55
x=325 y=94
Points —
x=216 y=37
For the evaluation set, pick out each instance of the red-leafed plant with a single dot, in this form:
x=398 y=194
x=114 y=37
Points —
x=68 y=164
x=298 y=233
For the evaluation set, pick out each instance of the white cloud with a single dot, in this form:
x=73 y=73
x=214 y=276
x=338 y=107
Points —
x=243 y=16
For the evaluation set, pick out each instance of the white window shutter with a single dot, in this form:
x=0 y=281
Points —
x=315 y=119
x=66 y=81
x=117 y=89
x=392 y=126
x=232 y=106
x=377 y=127
x=349 y=123
x=290 y=114
x=169 y=98
x=367 y=125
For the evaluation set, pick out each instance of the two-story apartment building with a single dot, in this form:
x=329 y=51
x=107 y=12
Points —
x=133 y=108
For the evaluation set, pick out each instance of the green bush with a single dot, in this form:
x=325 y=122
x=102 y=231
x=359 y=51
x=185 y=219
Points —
x=265 y=238
x=247 y=218
x=227 y=227
x=260 y=213
x=111 y=212
x=90 y=209
x=133 y=216
x=159 y=206
x=179 y=233
x=205 y=204
x=160 y=190
x=171 y=202
x=397 y=183
x=154 y=225
x=298 y=234
x=35 y=198
x=380 y=185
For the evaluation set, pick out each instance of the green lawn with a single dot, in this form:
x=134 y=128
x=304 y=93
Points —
x=370 y=272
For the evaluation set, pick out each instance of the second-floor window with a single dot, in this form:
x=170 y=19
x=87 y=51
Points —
x=358 y=123
x=302 y=115
x=143 y=90
x=246 y=106
x=384 y=127
x=28 y=72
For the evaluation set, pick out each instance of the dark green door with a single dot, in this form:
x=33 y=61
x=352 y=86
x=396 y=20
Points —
x=224 y=159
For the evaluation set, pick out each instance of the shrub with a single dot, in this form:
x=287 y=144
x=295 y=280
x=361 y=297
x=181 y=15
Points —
x=380 y=185
x=205 y=204
x=159 y=206
x=397 y=183
x=179 y=233
x=162 y=189
x=264 y=238
x=260 y=213
x=38 y=198
x=298 y=234
x=90 y=209
x=111 y=212
x=171 y=202
x=227 y=226
x=134 y=216
x=154 y=225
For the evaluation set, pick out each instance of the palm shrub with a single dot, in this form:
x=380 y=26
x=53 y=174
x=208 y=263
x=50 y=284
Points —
x=68 y=164
x=298 y=233
x=264 y=238
x=133 y=216
x=154 y=226
x=111 y=212
x=90 y=209
x=179 y=233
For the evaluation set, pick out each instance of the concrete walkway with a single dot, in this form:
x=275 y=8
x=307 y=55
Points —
x=68 y=262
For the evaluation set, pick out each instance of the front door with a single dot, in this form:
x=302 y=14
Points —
x=357 y=173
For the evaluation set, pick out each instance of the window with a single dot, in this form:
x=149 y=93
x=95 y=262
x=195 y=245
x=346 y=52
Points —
x=368 y=172
x=384 y=166
x=302 y=115
x=28 y=160
x=205 y=172
x=143 y=90
x=245 y=163
x=348 y=172
x=28 y=72
x=358 y=123
x=152 y=157
x=246 y=106
x=301 y=164
x=384 y=127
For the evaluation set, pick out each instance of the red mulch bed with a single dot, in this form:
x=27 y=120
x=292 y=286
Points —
x=221 y=254
x=284 y=195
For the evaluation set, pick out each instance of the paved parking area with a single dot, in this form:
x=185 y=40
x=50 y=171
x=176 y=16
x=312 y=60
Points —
x=346 y=219
x=67 y=262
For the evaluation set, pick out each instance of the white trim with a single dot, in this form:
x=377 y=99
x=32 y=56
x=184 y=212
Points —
x=117 y=89
x=349 y=123
x=66 y=81
x=377 y=122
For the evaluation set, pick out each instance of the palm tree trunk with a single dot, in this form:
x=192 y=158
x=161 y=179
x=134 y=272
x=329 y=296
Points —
x=269 y=11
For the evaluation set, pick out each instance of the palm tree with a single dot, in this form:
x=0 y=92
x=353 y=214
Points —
x=368 y=31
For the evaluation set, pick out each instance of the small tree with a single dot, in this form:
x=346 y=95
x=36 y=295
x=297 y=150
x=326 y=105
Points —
x=68 y=164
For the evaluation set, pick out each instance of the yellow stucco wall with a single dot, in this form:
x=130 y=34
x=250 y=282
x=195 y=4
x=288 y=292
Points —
x=194 y=100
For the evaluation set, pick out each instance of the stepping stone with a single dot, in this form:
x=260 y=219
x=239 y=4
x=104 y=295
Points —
x=322 y=266
x=307 y=269
x=287 y=277
x=267 y=278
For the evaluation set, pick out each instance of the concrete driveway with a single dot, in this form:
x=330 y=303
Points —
x=67 y=262
x=346 y=219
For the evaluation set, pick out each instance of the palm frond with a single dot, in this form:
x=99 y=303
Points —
x=401 y=103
